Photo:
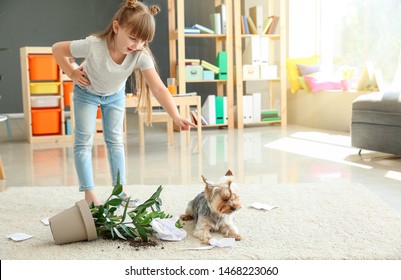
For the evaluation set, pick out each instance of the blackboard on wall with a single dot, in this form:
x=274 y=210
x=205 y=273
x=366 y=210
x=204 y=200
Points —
x=44 y=22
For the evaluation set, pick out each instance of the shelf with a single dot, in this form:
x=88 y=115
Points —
x=223 y=42
x=276 y=87
x=202 y=36
x=262 y=80
x=271 y=36
x=27 y=93
x=207 y=81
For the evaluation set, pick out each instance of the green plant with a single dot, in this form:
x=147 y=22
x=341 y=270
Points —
x=112 y=220
x=347 y=72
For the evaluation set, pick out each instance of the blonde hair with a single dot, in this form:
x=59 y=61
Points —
x=139 y=21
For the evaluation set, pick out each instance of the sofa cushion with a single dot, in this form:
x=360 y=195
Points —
x=293 y=72
x=378 y=101
x=321 y=82
x=303 y=84
x=378 y=108
x=307 y=69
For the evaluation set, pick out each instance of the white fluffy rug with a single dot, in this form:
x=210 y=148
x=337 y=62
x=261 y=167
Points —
x=312 y=221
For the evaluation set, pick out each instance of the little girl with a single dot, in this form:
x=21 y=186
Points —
x=110 y=58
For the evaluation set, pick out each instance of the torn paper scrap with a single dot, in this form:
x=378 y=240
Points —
x=263 y=206
x=45 y=221
x=166 y=230
x=221 y=243
x=19 y=236
x=199 y=248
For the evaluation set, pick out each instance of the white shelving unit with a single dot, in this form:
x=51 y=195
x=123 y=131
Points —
x=276 y=87
x=223 y=42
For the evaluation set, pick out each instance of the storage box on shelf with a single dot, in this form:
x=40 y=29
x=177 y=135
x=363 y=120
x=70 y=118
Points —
x=43 y=96
x=204 y=70
x=42 y=67
x=46 y=121
x=260 y=54
x=45 y=101
x=67 y=90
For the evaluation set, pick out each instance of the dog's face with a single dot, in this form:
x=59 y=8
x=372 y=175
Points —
x=222 y=195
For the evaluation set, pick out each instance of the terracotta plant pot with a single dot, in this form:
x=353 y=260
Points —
x=73 y=225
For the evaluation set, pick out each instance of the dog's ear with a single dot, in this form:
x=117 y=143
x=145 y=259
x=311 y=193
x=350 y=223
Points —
x=229 y=173
x=208 y=184
x=204 y=179
x=229 y=184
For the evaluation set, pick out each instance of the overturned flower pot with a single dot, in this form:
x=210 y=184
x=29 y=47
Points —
x=73 y=224
x=112 y=219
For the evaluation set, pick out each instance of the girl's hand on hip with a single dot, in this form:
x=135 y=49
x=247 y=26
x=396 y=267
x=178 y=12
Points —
x=79 y=76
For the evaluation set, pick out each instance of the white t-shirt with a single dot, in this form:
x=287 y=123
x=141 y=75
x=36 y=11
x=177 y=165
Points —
x=106 y=76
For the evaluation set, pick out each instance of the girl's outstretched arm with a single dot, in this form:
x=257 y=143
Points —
x=161 y=93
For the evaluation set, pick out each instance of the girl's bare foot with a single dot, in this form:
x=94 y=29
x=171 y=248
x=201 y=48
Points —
x=90 y=196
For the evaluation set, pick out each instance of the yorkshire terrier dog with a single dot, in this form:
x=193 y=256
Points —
x=212 y=209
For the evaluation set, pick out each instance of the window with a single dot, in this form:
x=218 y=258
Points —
x=350 y=32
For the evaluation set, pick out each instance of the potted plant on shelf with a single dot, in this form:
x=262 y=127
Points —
x=347 y=73
x=110 y=219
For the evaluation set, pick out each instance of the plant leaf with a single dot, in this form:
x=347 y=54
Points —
x=119 y=234
x=113 y=202
x=141 y=231
x=118 y=188
x=128 y=231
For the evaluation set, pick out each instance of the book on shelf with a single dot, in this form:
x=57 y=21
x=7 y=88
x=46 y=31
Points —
x=215 y=21
x=222 y=10
x=273 y=25
x=247 y=108
x=256 y=15
x=270 y=119
x=256 y=51
x=203 y=29
x=269 y=113
x=192 y=61
x=253 y=112
x=209 y=109
x=252 y=51
x=266 y=25
x=264 y=49
x=185 y=94
x=194 y=116
x=221 y=62
x=210 y=66
x=214 y=110
x=252 y=27
x=220 y=112
x=225 y=108
x=191 y=30
x=245 y=25
x=257 y=105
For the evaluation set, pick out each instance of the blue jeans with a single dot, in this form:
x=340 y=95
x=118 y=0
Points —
x=85 y=110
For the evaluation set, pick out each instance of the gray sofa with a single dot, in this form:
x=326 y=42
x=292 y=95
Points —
x=376 y=122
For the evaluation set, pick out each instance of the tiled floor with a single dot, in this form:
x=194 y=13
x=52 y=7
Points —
x=263 y=154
